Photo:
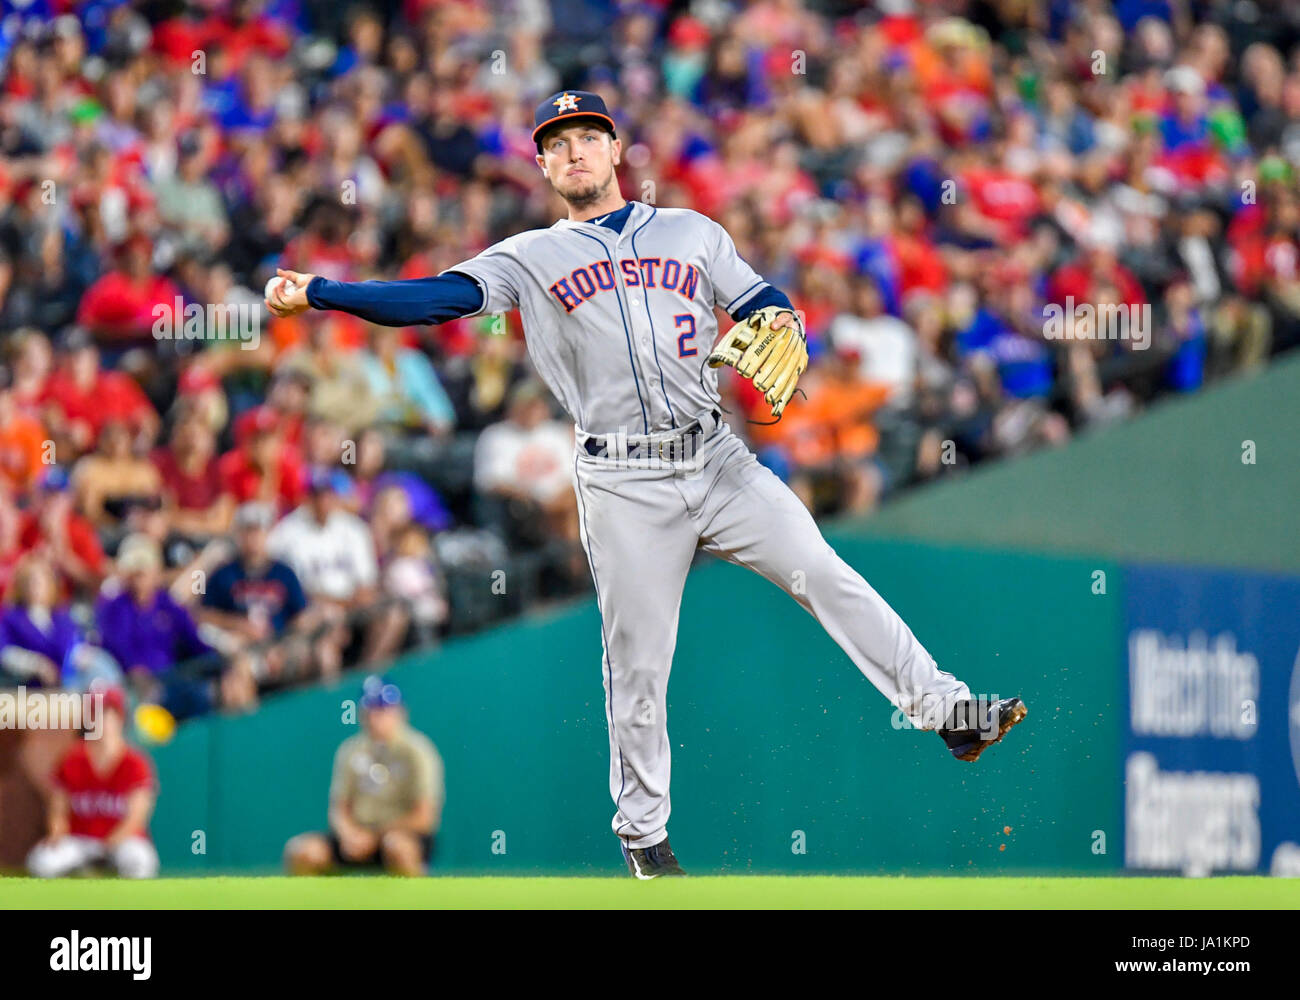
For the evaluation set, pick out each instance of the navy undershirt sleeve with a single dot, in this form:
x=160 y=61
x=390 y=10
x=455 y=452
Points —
x=769 y=296
x=419 y=301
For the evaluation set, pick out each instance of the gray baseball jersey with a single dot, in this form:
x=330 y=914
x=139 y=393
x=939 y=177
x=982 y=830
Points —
x=618 y=324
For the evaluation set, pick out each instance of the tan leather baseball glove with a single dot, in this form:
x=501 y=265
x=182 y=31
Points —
x=771 y=357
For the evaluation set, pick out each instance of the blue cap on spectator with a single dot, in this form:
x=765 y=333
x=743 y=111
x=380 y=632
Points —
x=54 y=479
x=322 y=478
x=378 y=693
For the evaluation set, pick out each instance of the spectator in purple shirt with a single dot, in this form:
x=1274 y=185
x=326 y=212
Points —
x=150 y=634
x=37 y=635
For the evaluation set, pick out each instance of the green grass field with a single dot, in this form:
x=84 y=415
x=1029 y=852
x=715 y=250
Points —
x=732 y=892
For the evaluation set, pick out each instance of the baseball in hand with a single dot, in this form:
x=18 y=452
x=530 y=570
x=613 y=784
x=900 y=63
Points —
x=273 y=282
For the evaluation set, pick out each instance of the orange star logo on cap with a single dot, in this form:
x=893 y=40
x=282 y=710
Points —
x=566 y=102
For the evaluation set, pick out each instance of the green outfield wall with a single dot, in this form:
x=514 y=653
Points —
x=779 y=744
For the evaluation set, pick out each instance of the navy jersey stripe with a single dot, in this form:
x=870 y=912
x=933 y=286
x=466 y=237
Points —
x=654 y=337
x=627 y=334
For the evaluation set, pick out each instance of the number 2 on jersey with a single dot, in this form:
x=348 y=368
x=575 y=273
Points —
x=688 y=334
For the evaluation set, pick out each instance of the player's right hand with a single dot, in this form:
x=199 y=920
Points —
x=289 y=299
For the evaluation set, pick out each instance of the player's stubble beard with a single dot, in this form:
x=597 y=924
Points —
x=586 y=195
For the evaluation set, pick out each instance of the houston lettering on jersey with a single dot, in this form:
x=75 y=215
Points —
x=638 y=272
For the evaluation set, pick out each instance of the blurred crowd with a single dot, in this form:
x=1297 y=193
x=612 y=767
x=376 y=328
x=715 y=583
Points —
x=206 y=517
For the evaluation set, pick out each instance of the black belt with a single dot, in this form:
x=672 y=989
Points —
x=665 y=449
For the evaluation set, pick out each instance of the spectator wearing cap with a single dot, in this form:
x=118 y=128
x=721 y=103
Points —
x=263 y=467
x=286 y=401
x=80 y=398
x=386 y=796
x=120 y=307
x=53 y=528
x=260 y=606
x=23 y=447
x=331 y=551
x=103 y=797
x=150 y=635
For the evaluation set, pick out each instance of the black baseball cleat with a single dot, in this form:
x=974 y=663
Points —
x=651 y=862
x=974 y=726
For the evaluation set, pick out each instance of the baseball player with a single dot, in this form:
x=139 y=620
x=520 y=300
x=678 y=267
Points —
x=618 y=303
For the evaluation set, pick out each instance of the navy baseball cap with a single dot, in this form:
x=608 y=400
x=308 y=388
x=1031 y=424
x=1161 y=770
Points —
x=571 y=106
x=378 y=693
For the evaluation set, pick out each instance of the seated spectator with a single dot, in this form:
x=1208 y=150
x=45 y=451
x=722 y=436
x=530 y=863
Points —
x=422 y=500
x=386 y=796
x=151 y=635
x=80 y=398
x=107 y=481
x=37 y=634
x=23 y=441
x=98 y=814
x=11 y=553
x=331 y=551
x=411 y=573
x=189 y=203
x=263 y=468
x=53 y=528
x=526 y=462
x=480 y=383
x=403 y=380
x=193 y=500
x=120 y=305
x=340 y=390
x=259 y=604
x=885 y=344
x=286 y=400
x=830 y=439
x=30 y=360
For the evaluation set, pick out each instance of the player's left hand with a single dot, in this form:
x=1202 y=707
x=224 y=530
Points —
x=768 y=347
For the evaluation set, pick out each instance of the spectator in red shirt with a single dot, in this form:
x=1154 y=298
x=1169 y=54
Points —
x=1082 y=277
x=195 y=503
x=66 y=538
x=920 y=266
x=263 y=467
x=287 y=401
x=80 y=398
x=104 y=794
x=120 y=305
